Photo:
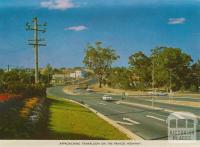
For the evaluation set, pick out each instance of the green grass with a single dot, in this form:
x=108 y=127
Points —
x=72 y=121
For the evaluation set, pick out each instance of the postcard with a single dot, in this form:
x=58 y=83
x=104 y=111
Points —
x=99 y=73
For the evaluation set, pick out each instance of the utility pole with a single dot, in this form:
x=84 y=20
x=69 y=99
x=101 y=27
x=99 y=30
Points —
x=153 y=76
x=170 y=80
x=153 y=83
x=36 y=42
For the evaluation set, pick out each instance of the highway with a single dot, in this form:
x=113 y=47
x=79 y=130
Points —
x=134 y=113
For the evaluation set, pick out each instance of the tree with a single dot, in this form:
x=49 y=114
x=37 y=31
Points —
x=46 y=73
x=171 y=63
x=119 y=77
x=100 y=60
x=1 y=79
x=195 y=73
x=140 y=64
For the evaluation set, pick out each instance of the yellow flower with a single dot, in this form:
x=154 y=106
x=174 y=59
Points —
x=29 y=104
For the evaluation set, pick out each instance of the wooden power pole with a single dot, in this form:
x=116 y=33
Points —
x=36 y=42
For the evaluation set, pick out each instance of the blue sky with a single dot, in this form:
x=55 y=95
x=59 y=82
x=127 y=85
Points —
x=128 y=26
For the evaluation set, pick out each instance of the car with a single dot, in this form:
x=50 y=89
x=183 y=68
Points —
x=157 y=93
x=163 y=94
x=89 y=90
x=107 y=98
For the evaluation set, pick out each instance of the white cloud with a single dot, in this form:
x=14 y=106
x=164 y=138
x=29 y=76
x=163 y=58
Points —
x=174 y=21
x=58 y=4
x=76 y=28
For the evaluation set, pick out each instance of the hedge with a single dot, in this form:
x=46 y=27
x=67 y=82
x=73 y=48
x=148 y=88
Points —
x=27 y=90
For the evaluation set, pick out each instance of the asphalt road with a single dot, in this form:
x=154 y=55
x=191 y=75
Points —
x=146 y=122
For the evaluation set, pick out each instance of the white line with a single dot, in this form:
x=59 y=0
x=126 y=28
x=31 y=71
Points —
x=102 y=104
x=130 y=120
x=150 y=116
x=119 y=111
x=124 y=123
x=139 y=105
x=153 y=113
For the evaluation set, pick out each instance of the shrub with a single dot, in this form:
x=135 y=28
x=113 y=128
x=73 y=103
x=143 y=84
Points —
x=27 y=90
x=35 y=90
x=193 y=88
x=1 y=88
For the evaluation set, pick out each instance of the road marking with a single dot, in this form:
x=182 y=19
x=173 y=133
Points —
x=124 y=123
x=137 y=105
x=119 y=111
x=150 y=116
x=102 y=104
x=130 y=120
x=164 y=116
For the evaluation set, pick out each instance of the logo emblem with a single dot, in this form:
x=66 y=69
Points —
x=182 y=126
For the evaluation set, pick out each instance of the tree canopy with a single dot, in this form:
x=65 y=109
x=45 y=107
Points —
x=168 y=67
x=140 y=64
x=100 y=60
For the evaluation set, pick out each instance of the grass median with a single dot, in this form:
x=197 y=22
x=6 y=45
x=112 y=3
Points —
x=68 y=120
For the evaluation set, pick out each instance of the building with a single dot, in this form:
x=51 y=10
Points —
x=78 y=74
x=59 y=79
x=72 y=75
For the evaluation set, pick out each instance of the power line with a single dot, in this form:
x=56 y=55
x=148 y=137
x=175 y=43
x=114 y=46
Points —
x=36 y=42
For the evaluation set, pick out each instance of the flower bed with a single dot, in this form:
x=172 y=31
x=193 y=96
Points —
x=29 y=105
x=22 y=118
x=6 y=97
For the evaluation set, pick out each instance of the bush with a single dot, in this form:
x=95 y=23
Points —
x=35 y=90
x=27 y=90
x=1 y=88
x=193 y=88
x=182 y=89
x=140 y=86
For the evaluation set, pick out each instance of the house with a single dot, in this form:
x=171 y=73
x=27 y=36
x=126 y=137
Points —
x=78 y=74
x=72 y=75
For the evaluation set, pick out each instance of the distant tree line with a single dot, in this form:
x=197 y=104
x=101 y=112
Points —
x=166 y=68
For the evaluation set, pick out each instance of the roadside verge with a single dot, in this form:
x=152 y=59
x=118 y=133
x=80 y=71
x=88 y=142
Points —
x=111 y=122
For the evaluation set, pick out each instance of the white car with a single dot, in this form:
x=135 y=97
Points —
x=163 y=94
x=89 y=90
x=107 y=98
x=158 y=93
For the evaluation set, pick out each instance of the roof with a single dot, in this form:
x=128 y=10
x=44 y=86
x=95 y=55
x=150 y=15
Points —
x=182 y=115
